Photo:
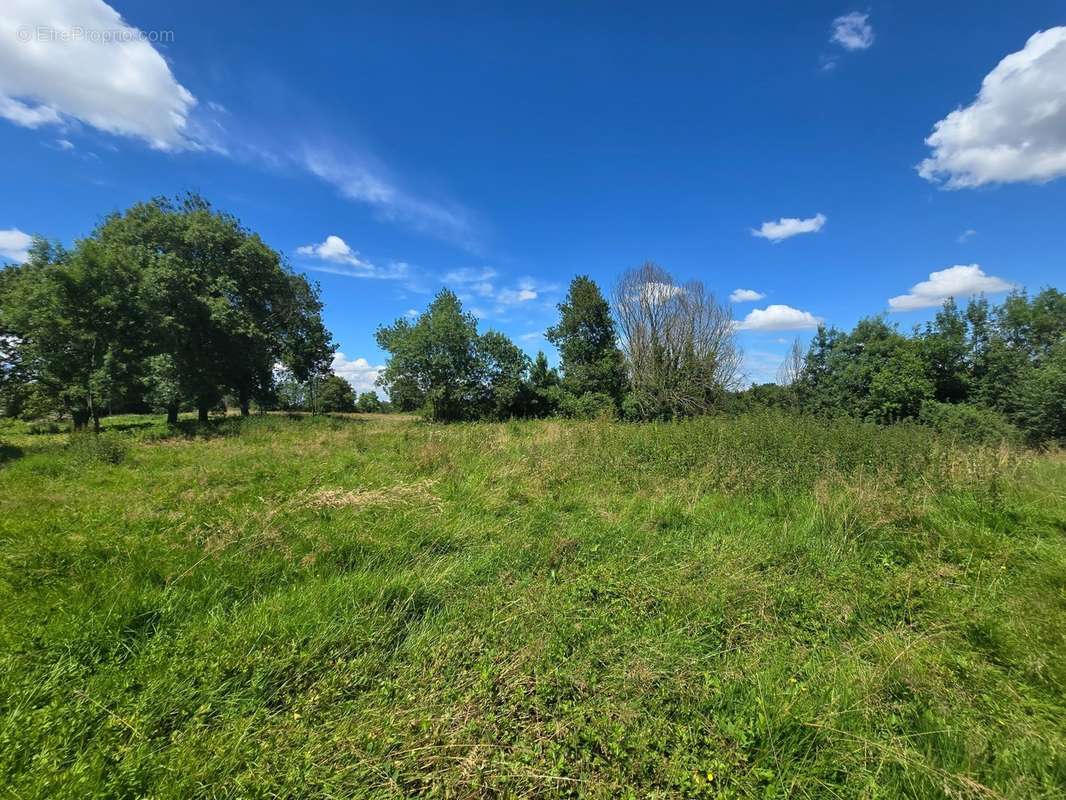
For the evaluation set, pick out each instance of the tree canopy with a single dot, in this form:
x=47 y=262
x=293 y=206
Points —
x=166 y=303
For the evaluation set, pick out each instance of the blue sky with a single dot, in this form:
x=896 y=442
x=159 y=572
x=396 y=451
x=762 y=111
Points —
x=500 y=149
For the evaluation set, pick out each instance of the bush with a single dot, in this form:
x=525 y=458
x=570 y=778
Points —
x=42 y=427
x=590 y=405
x=97 y=448
x=967 y=423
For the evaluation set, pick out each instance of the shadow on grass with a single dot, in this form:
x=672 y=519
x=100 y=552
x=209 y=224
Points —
x=8 y=452
x=222 y=427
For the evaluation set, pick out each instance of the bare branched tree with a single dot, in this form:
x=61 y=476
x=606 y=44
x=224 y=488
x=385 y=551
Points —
x=679 y=342
x=792 y=367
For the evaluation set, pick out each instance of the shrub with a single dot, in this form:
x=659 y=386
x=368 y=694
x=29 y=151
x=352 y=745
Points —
x=967 y=423
x=43 y=426
x=97 y=448
x=590 y=405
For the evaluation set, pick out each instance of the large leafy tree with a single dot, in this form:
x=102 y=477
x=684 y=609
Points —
x=507 y=390
x=77 y=327
x=335 y=394
x=171 y=302
x=437 y=358
x=222 y=308
x=587 y=339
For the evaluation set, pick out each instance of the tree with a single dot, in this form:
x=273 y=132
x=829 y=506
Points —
x=369 y=403
x=679 y=343
x=220 y=307
x=544 y=388
x=588 y=343
x=335 y=395
x=436 y=358
x=506 y=366
x=945 y=348
x=77 y=327
x=873 y=373
x=1039 y=399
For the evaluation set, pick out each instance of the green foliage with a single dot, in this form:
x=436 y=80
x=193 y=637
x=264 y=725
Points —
x=97 y=448
x=506 y=368
x=441 y=364
x=369 y=403
x=588 y=343
x=1039 y=398
x=968 y=423
x=761 y=606
x=1006 y=358
x=169 y=302
x=590 y=405
x=335 y=394
x=544 y=388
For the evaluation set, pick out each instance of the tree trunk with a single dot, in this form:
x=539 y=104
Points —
x=172 y=414
x=201 y=412
x=80 y=418
x=96 y=423
x=245 y=403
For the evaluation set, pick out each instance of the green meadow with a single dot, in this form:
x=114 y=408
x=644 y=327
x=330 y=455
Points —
x=760 y=606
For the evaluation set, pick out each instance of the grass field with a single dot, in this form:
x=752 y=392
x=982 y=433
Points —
x=375 y=607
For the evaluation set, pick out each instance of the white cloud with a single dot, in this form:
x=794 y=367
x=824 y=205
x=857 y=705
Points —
x=1016 y=128
x=745 y=296
x=853 y=31
x=110 y=76
x=14 y=245
x=64 y=144
x=789 y=226
x=532 y=336
x=359 y=372
x=340 y=259
x=958 y=281
x=334 y=248
x=778 y=318
x=966 y=235
x=411 y=312
x=479 y=284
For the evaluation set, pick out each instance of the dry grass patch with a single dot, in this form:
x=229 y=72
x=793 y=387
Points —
x=403 y=494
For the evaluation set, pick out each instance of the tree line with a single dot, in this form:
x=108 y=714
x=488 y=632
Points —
x=168 y=305
x=665 y=350
x=983 y=372
x=173 y=305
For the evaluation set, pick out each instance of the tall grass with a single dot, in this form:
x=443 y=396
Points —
x=768 y=606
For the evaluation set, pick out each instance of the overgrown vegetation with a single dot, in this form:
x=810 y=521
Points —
x=763 y=606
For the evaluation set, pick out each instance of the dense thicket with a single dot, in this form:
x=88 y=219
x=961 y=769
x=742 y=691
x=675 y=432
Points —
x=969 y=371
x=171 y=303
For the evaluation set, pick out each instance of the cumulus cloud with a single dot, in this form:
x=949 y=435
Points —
x=338 y=258
x=787 y=227
x=478 y=284
x=1016 y=128
x=958 y=281
x=778 y=318
x=109 y=77
x=745 y=296
x=359 y=372
x=14 y=245
x=853 y=31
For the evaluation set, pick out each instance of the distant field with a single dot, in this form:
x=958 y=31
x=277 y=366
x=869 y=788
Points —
x=376 y=607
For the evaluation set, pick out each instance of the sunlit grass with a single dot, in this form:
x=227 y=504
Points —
x=375 y=607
